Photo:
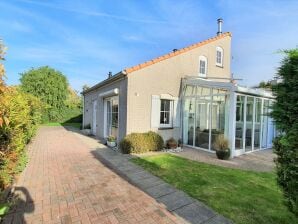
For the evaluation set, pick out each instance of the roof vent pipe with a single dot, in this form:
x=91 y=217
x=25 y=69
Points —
x=109 y=74
x=219 y=24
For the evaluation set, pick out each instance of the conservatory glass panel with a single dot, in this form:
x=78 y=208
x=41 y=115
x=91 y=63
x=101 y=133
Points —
x=188 y=121
x=202 y=124
x=190 y=90
x=249 y=123
x=265 y=123
x=219 y=118
x=239 y=122
x=257 y=131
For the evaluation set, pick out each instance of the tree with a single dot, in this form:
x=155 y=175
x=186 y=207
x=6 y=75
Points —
x=285 y=114
x=50 y=86
x=265 y=85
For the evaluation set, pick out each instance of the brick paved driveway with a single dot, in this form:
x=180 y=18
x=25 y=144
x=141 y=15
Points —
x=64 y=183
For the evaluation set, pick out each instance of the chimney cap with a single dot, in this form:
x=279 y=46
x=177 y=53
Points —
x=110 y=74
x=219 y=24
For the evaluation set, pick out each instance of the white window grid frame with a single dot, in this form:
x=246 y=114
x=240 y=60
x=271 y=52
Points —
x=203 y=58
x=219 y=49
x=170 y=125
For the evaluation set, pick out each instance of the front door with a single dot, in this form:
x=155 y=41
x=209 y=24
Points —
x=94 y=117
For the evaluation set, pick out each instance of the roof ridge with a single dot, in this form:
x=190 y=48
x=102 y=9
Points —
x=177 y=52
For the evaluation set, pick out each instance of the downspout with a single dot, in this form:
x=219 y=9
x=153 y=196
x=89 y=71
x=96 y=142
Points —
x=83 y=120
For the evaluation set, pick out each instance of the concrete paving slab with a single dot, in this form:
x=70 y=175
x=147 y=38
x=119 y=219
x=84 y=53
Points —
x=160 y=190
x=175 y=200
x=195 y=213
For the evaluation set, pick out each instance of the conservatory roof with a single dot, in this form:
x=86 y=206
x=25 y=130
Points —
x=233 y=87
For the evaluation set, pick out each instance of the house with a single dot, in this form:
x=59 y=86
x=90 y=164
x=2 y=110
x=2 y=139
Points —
x=187 y=94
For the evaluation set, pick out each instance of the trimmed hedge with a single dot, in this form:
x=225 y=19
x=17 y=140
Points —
x=142 y=142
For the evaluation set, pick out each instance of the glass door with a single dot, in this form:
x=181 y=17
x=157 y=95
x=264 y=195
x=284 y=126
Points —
x=111 y=116
x=202 y=124
x=188 y=121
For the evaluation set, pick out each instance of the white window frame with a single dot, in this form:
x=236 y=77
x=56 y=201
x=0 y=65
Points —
x=106 y=130
x=219 y=49
x=201 y=59
x=170 y=125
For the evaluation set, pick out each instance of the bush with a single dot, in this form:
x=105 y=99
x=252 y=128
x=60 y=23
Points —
x=171 y=143
x=221 y=145
x=285 y=111
x=141 y=142
x=24 y=113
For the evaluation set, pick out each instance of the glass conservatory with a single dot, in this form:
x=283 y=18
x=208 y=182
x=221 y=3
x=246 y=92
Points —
x=214 y=108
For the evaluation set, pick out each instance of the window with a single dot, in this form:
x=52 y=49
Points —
x=166 y=113
x=219 y=56
x=202 y=66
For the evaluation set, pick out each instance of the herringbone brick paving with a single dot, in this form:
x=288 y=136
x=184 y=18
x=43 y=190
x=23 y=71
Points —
x=63 y=183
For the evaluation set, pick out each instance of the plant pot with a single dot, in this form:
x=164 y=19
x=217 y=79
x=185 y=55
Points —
x=86 y=131
x=223 y=154
x=111 y=144
x=172 y=146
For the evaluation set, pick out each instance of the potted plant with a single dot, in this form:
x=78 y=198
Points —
x=171 y=143
x=87 y=129
x=111 y=141
x=221 y=146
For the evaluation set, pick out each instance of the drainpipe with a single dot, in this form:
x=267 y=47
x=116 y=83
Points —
x=83 y=120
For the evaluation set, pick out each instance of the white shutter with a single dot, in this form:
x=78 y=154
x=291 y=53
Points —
x=176 y=112
x=155 y=111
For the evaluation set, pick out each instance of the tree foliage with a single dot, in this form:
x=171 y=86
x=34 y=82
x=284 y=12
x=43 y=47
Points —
x=285 y=114
x=265 y=85
x=50 y=86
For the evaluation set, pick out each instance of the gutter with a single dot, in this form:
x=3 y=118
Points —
x=119 y=75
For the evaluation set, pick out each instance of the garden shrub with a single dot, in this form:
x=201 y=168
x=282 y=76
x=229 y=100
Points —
x=285 y=114
x=171 y=143
x=23 y=112
x=141 y=142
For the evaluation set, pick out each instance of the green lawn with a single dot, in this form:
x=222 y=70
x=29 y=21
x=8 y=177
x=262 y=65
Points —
x=52 y=124
x=243 y=196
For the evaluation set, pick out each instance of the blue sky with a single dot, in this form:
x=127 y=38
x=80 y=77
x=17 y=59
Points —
x=87 y=39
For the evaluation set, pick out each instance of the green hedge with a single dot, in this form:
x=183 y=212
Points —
x=285 y=114
x=142 y=142
x=24 y=113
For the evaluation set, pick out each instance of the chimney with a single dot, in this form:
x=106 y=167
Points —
x=219 y=24
x=109 y=74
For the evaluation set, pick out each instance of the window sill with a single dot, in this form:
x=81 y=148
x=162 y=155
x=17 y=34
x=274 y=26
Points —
x=220 y=66
x=165 y=128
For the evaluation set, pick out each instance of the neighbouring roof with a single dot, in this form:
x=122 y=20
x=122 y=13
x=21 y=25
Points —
x=156 y=60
